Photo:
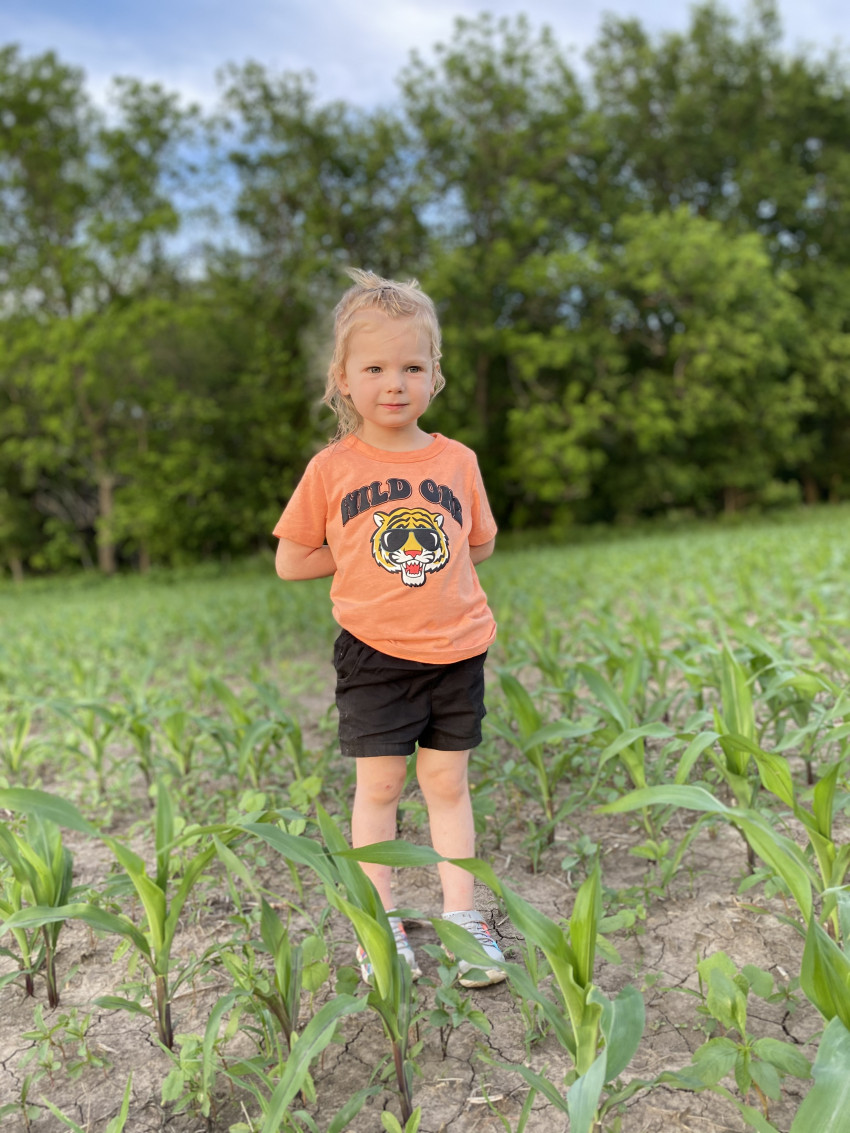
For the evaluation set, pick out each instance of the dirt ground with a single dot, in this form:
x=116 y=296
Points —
x=465 y=1090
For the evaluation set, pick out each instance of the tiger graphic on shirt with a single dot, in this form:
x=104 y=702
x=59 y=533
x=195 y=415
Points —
x=410 y=541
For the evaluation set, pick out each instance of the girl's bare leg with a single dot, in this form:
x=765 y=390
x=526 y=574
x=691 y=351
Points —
x=443 y=778
x=380 y=780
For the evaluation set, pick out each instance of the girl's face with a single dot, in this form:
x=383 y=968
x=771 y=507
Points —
x=389 y=376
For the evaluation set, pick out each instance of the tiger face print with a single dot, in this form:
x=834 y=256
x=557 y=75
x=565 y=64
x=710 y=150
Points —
x=410 y=541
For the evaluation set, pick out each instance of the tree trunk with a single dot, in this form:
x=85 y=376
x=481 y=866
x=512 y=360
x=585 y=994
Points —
x=106 y=559
x=811 y=493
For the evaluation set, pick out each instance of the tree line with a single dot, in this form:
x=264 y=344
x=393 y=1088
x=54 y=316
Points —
x=642 y=271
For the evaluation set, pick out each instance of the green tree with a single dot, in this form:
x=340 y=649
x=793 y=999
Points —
x=87 y=209
x=508 y=156
x=722 y=118
x=682 y=391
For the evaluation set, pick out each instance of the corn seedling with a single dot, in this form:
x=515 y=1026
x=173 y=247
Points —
x=114 y=1125
x=601 y=1035
x=825 y=1107
x=162 y=903
x=525 y=730
x=294 y=966
x=41 y=865
x=391 y=997
x=30 y=955
x=94 y=722
x=276 y=1091
x=20 y=750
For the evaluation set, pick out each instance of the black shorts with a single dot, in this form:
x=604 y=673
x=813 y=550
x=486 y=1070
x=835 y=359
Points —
x=388 y=705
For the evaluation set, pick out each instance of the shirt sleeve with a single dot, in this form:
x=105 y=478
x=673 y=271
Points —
x=304 y=519
x=483 y=524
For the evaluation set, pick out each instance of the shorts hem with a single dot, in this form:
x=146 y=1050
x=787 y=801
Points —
x=451 y=743
x=365 y=749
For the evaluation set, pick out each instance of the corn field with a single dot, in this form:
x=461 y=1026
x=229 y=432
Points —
x=661 y=804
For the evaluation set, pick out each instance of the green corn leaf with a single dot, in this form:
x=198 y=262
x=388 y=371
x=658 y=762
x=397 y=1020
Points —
x=375 y=936
x=783 y=855
x=190 y=877
x=149 y=893
x=57 y=1112
x=355 y=882
x=230 y=701
x=623 y=1022
x=560 y=730
x=119 y=1003
x=234 y=865
x=584 y=925
x=99 y=919
x=780 y=853
x=164 y=833
x=823 y=801
x=318 y=1033
x=538 y=1082
x=737 y=699
x=521 y=705
x=684 y=797
x=341 y=1121
x=258 y=731
x=294 y=847
x=395 y=853
x=537 y=927
x=25 y=800
x=607 y=696
x=584 y=1094
x=117 y=1123
x=402 y=853
x=825 y=975
x=631 y=735
x=775 y=776
x=460 y=942
x=551 y=940
x=211 y=1030
x=824 y=1109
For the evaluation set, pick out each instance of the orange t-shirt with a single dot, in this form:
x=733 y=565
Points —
x=399 y=526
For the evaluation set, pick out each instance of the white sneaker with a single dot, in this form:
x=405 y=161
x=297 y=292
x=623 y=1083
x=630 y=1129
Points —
x=476 y=926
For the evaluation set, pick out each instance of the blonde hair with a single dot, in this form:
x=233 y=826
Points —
x=396 y=300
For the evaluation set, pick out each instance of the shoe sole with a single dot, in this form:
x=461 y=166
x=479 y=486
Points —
x=491 y=976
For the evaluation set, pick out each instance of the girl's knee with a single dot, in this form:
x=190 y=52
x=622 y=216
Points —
x=380 y=789
x=446 y=783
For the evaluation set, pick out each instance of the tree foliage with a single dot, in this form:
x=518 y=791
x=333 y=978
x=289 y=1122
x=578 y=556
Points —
x=642 y=276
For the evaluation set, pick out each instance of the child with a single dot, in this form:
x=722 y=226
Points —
x=399 y=518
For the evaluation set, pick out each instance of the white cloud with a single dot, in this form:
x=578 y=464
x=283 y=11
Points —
x=356 y=49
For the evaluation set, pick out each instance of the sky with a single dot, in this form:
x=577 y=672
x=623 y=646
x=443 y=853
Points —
x=355 y=48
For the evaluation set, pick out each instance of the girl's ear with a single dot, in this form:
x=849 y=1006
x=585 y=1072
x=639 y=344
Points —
x=341 y=381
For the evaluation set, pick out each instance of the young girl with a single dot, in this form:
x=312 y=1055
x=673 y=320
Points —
x=399 y=517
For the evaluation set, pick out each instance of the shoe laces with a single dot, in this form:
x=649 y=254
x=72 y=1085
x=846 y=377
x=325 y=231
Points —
x=399 y=934
x=480 y=931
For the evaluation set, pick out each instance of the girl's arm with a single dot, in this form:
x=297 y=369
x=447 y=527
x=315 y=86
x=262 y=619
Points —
x=294 y=562
x=482 y=551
